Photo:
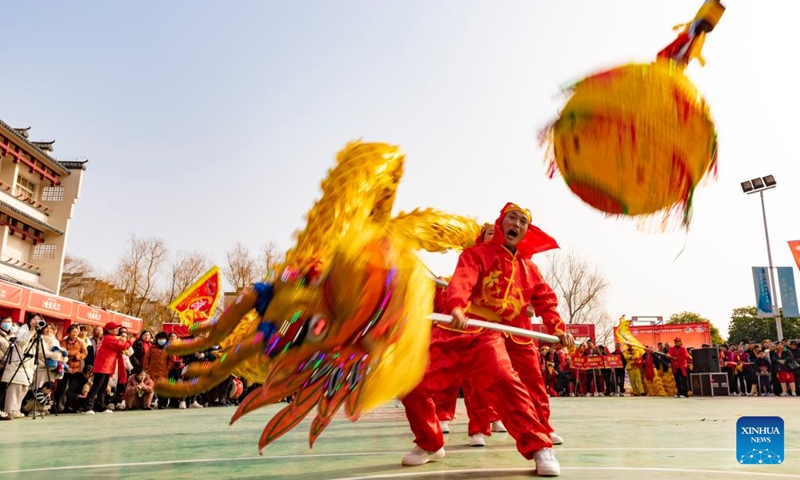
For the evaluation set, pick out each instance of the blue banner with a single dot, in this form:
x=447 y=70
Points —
x=788 y=292
x=763 y=295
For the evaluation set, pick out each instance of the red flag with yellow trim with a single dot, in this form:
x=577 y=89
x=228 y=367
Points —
x=197 y=302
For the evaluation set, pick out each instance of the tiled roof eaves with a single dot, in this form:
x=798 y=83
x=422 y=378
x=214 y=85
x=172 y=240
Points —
x=55 y=164
x=19 y=212
x=72 y=165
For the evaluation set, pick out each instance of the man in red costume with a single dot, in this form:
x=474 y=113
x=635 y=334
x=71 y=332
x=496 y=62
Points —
x=526 y=362
x=480 y=409
x=493 y=281
x=679 y=358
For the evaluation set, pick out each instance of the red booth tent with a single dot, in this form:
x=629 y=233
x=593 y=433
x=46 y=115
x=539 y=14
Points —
x=17 y=300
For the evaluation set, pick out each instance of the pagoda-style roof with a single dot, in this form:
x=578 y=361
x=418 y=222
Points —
x=28 y=218
x=21 y=135
x=45 y=146
x=74 y=164
x=25 y=132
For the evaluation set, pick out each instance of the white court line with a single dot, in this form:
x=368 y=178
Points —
x=528 y=471
x=451 y=451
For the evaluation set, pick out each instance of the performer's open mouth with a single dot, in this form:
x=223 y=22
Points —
x=512 y=233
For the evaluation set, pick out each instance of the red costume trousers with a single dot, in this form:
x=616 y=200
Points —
x=479 y=406
x=525 y=361
x=446 y=401
x=484 y=359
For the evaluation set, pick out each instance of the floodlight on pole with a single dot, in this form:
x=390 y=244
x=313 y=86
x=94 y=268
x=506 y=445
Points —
x=759 y=185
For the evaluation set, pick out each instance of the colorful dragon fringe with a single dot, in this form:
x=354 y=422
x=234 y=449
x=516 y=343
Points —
x=346 y=323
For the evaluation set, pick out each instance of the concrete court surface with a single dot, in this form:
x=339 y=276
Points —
x=605 y=438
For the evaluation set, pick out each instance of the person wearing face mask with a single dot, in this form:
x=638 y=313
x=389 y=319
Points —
x=494 y=281
x=156 y=362
x=18 y=373
x=6 y=333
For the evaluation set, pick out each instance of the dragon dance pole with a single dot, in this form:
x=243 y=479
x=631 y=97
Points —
x=441 y=318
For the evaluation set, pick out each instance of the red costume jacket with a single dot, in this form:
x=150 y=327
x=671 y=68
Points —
x=109 y=357
x=492 y=283
x=680 y=358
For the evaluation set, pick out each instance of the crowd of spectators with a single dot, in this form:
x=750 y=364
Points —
x=769 y=368
x=93 y=370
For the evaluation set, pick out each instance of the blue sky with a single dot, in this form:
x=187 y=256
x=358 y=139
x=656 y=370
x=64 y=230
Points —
x=206 y=125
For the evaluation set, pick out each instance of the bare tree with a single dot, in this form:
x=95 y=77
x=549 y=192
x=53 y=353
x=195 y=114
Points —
x=138 y=273
x=75 y=270
x=242 y=269
x=580 y=287
x=271 y=258
x=184 y=270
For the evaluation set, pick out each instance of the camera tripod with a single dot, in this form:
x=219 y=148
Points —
x=33 y=350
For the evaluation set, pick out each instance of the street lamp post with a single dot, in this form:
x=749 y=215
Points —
x=760 y=185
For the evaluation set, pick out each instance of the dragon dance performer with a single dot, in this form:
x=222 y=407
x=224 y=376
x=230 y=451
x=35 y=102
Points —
x=493 y=281
x=447 y=399
x=526 y=362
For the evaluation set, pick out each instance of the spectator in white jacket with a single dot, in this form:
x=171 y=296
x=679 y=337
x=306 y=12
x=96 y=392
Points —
x=50 y=350
x=18 y=373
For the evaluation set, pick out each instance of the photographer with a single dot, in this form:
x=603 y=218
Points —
x=19 y=371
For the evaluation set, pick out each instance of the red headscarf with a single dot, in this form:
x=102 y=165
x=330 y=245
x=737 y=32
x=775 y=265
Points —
x=535 y=240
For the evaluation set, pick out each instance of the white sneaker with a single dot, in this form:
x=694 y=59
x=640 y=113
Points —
x=418 y=456
x=546 y=463
x=195 y=405
x=556 y=438
x=182 y=405
x=108 y=410
x=90 y=412
x=498 y=426
x=477 y=440
x=445 y=427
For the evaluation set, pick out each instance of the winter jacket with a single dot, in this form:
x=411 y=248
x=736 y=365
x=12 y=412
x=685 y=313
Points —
x=156 y=362
x=13 y=373
x=76 y=352
x=109 y=357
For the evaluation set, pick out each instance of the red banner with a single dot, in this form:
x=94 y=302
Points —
x=92 y=316
x=598 y=361
x=49 y=305
x=691 y=334
x=134 y=325
x=10 y=295
x=578 y=330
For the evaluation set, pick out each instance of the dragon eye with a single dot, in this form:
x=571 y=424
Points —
x=317 y=328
